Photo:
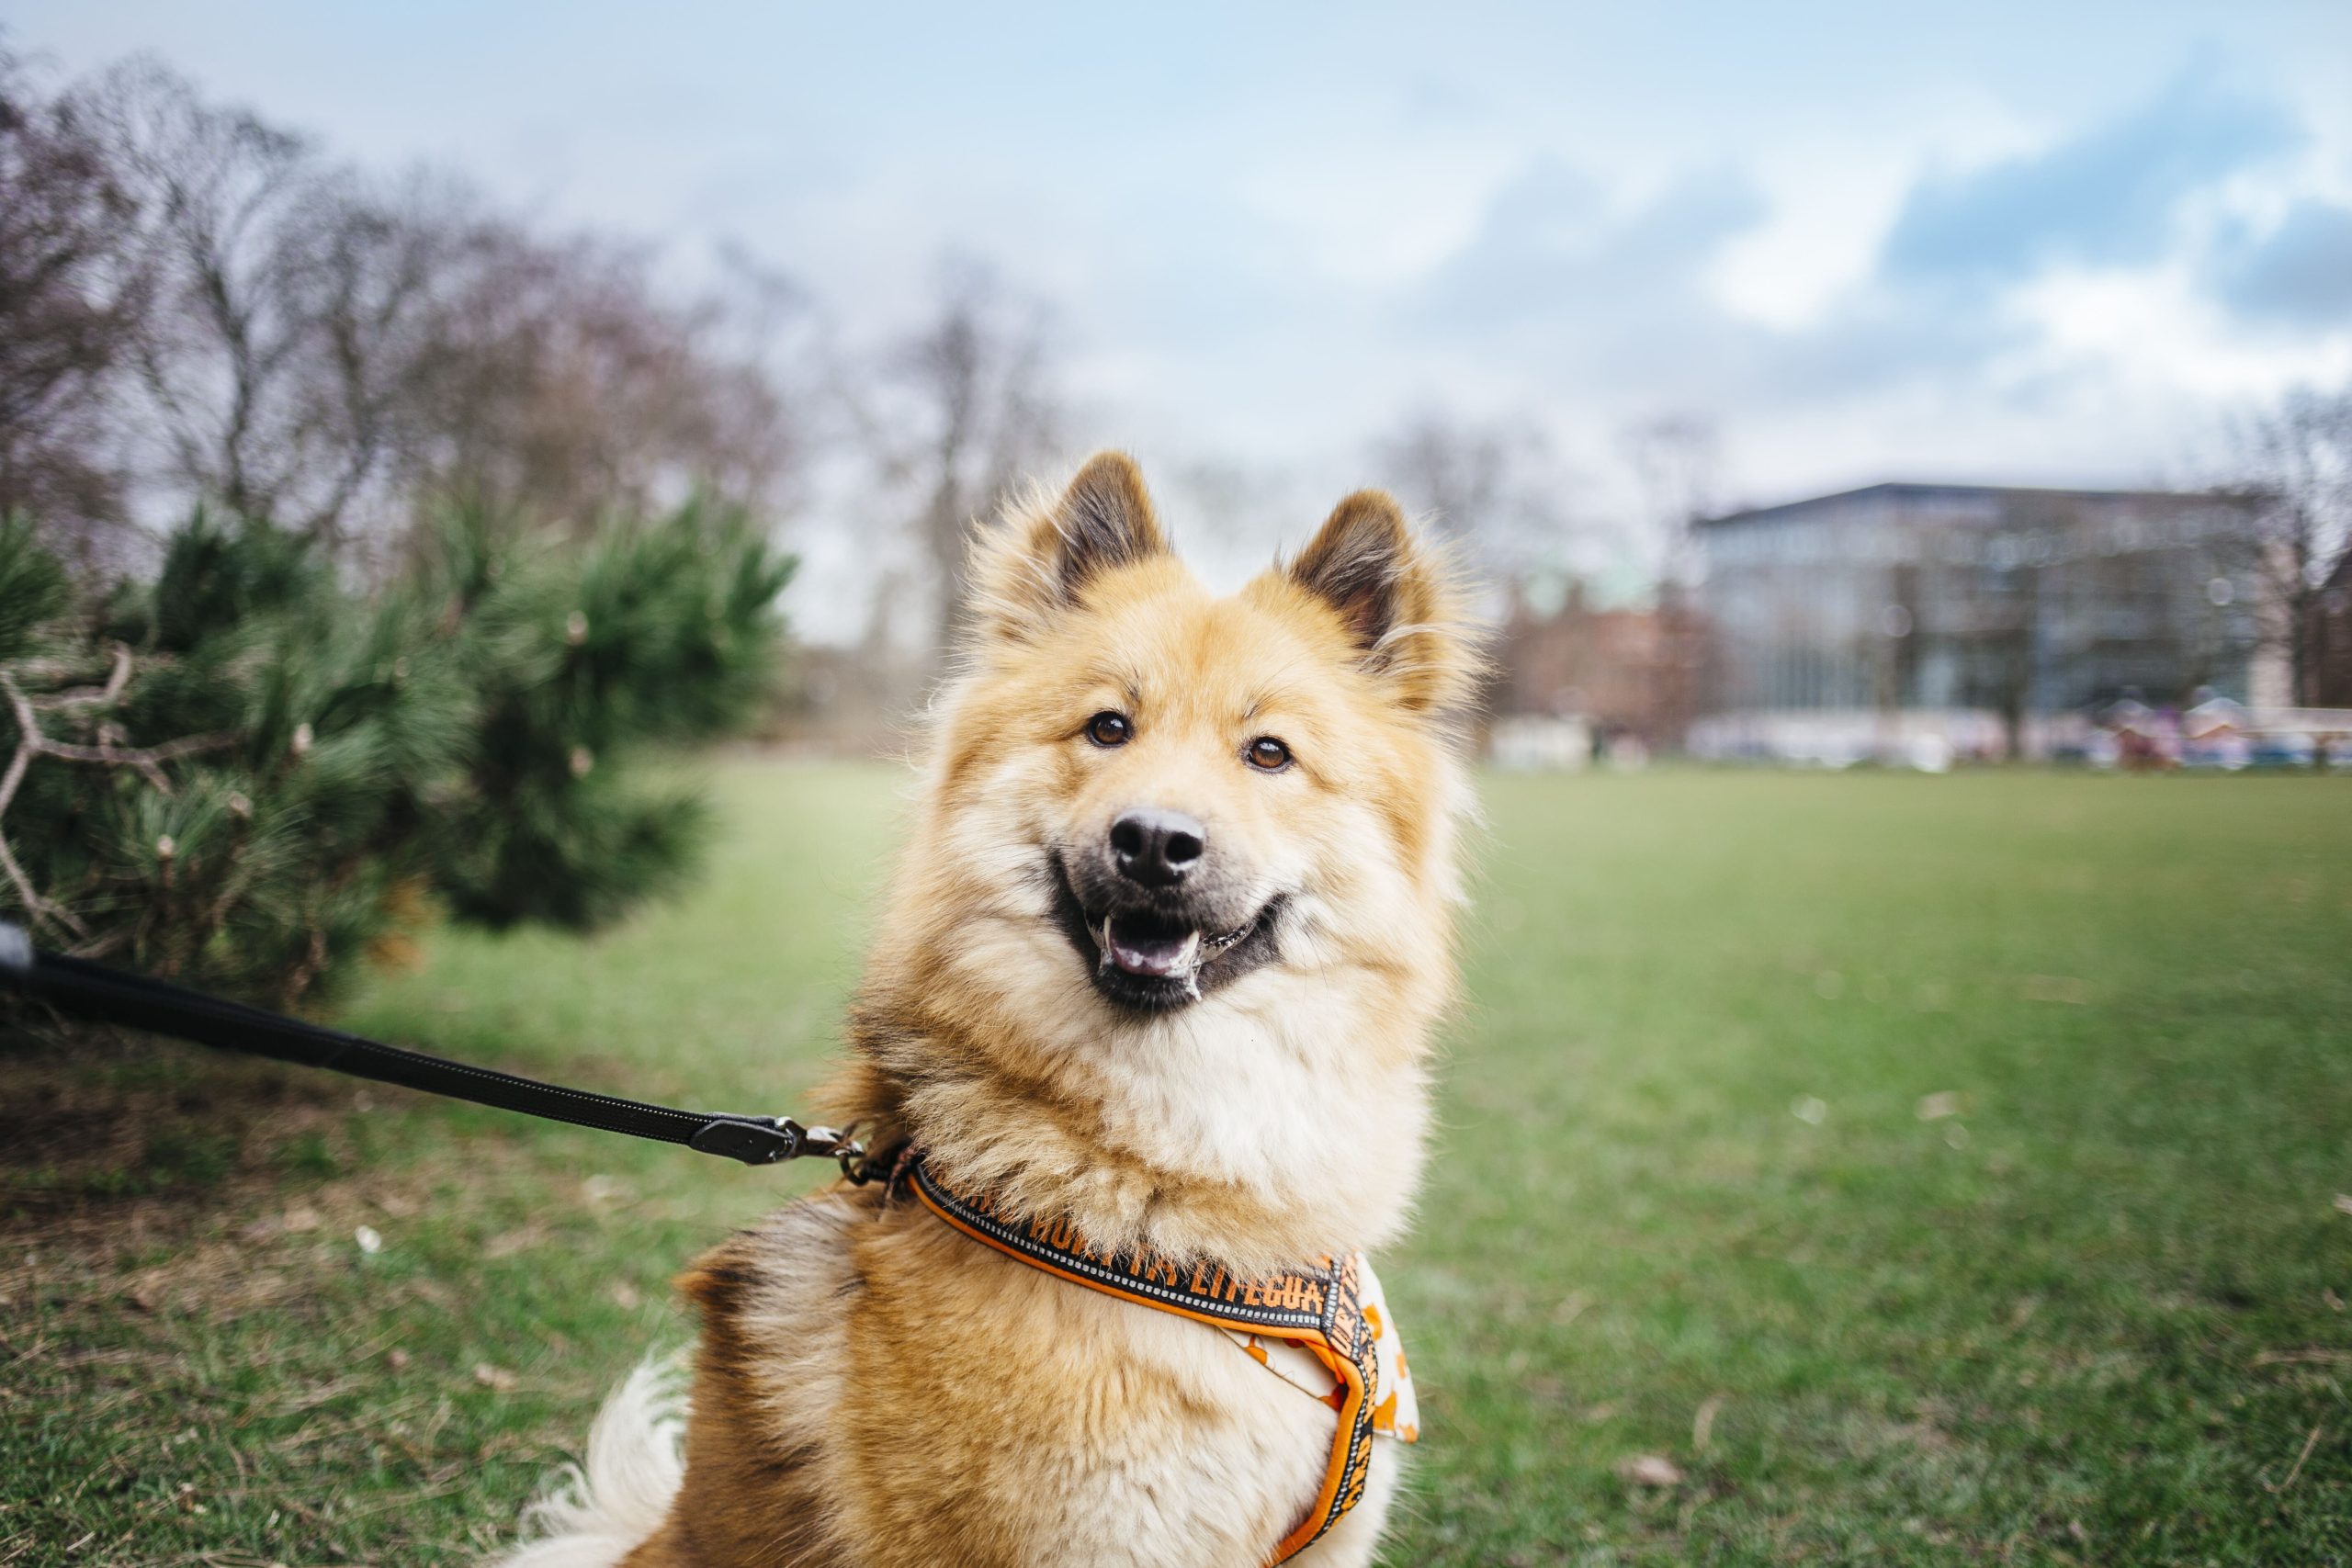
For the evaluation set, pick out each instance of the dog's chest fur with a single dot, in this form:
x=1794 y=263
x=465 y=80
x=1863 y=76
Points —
x=877 y=1390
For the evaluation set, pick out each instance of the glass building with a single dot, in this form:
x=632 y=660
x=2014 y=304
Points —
x=1996 y=617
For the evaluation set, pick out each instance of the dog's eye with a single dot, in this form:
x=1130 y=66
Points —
x=1107 y=728
x=1268 y=755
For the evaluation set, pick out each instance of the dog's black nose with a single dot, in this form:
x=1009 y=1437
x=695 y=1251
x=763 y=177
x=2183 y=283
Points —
x=1156 y=847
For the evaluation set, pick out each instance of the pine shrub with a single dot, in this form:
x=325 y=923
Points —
x=246 y=773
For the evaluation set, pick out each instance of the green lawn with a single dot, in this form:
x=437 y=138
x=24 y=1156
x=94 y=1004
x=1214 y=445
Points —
x=1927 y=1170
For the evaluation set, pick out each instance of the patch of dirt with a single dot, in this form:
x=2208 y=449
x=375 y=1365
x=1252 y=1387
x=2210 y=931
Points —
x=158 y=1175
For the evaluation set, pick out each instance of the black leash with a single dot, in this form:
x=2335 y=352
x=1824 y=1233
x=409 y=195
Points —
x=82 y=989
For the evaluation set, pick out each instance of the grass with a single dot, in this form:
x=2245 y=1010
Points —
x=1925 y=1170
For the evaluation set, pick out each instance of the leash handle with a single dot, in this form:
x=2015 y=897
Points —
x=93 y=993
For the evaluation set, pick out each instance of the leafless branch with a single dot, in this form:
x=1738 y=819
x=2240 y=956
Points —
x=29 y=740
x=117 y=677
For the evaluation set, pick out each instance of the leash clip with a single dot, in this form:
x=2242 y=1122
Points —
x=847 y=1152
x=770 y=1140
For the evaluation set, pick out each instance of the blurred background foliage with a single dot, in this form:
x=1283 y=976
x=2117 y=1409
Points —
x=245 y=772
x=362 y=546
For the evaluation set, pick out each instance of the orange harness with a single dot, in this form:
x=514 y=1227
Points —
x=1312 y=1326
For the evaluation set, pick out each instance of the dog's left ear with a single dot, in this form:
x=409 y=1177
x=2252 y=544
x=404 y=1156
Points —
x=1399 y=602
x=1040 y=559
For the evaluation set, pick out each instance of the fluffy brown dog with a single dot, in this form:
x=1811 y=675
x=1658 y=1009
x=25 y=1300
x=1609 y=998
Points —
x=1163 y=959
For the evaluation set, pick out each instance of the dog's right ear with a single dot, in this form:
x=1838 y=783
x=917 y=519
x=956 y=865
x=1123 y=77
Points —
x=1038 y=561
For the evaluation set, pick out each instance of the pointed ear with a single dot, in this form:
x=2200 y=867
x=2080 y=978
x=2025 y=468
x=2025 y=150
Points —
x=1039 y=559
x=1396 y=599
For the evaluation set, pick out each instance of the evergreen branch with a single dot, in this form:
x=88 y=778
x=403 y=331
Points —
x=32 y=741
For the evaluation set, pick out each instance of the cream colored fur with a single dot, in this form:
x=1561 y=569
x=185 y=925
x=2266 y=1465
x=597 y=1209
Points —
x=598 y=1510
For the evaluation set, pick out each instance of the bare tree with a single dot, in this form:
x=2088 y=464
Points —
x=377 y=298
x=196 y=305
x=67 y=301
x=232 y=218
x=954 y=414
x=2294 y=466
x=1676 y=460
x=556 y=381
x=1500 y=489
x=1988 y=585
x=238 y=308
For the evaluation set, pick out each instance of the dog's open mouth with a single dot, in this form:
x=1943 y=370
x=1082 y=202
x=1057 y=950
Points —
x=1157 y=958
x=1158 y=948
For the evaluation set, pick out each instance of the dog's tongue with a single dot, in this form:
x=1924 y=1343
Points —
x=1159 y=956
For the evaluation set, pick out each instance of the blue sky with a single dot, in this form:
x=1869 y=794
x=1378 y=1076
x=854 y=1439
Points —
x=1995 y=241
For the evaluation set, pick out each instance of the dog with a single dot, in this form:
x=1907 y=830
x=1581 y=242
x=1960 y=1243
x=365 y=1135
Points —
x=1156 y=980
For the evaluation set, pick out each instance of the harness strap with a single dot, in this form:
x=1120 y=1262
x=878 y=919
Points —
x=1319 y=1309
x=90 y=991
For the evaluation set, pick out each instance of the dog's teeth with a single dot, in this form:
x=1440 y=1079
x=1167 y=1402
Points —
x=1216 y=944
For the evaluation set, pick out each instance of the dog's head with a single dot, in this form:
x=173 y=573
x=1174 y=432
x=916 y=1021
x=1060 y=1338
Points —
x=1176 y=916
x=1169 y=792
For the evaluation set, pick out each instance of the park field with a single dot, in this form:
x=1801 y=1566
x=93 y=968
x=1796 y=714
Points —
x=1855 y=1168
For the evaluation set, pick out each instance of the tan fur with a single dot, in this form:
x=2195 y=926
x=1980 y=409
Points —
x=874 y=1389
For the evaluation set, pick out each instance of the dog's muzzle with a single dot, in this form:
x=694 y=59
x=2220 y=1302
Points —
x=1156 y=949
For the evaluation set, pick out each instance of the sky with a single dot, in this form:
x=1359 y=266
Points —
x=2002 y=242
